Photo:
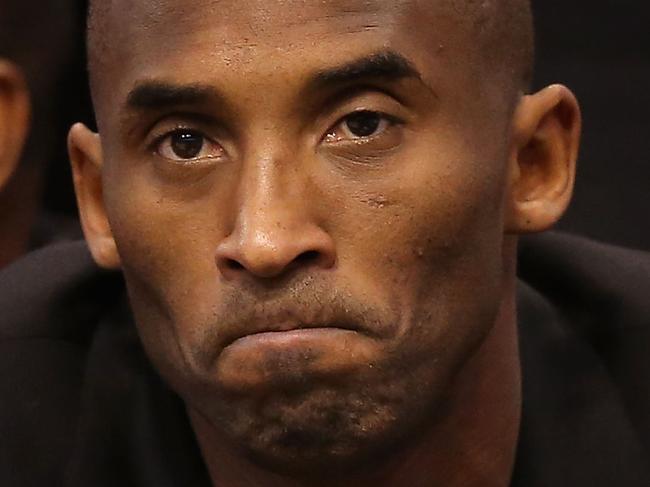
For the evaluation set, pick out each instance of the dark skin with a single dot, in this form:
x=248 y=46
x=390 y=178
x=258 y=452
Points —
x=316 y=215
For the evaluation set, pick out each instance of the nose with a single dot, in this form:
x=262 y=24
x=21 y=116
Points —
x=273 y=235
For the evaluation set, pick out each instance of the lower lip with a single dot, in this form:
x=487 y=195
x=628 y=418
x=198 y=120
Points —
x=270 y=359
x=290 y=338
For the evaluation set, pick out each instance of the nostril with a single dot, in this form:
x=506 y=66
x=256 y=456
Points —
x=233 y=265
x=239 y=259
x=306 y=258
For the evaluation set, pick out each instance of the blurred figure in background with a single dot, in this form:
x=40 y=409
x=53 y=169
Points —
x=40 y=62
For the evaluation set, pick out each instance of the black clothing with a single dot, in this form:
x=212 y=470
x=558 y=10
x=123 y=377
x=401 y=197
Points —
x=81 y=406
x=51 y=228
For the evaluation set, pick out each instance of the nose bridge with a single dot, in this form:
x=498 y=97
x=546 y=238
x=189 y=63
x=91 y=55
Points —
x=273 y=228
x=266 y=196
x=269 y=199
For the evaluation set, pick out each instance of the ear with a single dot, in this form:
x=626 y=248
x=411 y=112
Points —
x=14 y=118
x=85 y=150
x=545 y=141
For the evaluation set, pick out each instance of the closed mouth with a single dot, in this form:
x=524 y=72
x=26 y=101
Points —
x=287 y=328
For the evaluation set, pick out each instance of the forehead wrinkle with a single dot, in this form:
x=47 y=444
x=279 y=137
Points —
x=349 y=16
x=257 y=11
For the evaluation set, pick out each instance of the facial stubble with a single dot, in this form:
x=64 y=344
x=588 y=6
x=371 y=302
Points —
x=332 y=425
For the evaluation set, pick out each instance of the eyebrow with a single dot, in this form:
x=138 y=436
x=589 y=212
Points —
x=151 y=95
x=387 y=65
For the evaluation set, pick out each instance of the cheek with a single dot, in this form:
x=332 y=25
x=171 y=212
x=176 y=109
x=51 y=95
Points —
x=431 y=243
x=166 y=245
x=425 y=221
x=165 y=231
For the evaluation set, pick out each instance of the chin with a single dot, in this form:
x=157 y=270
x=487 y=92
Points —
x=325 y=430
x=318 y=432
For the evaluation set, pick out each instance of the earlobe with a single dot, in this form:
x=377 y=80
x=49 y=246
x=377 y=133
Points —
x=85 y=150
x=544 y=151
x=14 y=118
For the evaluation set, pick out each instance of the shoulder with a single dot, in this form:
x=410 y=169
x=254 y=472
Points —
x=50 y=304
x=53 y=293
x=596 y=301
x=604 y=288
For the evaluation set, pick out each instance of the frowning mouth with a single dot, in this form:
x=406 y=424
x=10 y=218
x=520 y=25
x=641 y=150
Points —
x=292 y=337
x=290 y=356
x=287 y=332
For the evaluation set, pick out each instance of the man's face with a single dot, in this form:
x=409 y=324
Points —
x=307 y=199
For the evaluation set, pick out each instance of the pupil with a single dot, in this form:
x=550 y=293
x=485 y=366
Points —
x=363 y=124
x=187 y=145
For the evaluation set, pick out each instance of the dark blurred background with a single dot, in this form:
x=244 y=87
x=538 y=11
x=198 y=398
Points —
x=75 y=106
x=601 y=50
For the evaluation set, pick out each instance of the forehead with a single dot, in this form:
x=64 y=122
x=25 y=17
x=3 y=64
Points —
x=242 y=27
x=207 y=40
x=256 y=16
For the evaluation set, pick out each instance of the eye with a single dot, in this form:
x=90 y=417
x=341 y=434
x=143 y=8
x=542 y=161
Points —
x=187 y=145
x=362 y=124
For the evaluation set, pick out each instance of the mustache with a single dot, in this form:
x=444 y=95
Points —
x=303 y=304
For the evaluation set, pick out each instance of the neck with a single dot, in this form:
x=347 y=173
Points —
x=472 y=443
